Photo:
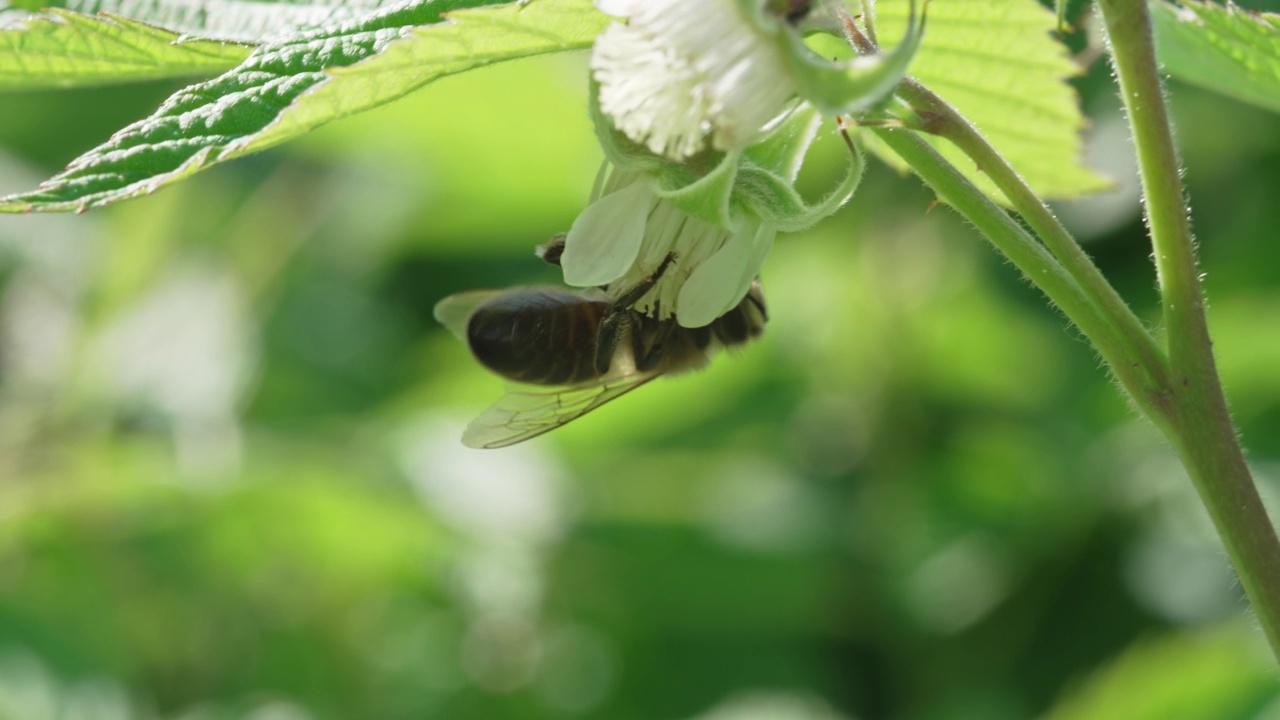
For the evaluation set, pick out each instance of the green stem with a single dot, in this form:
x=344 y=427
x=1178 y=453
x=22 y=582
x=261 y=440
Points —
x=1136 y=359
x=1014 y=241
x=1197 y=420
x=869 y=20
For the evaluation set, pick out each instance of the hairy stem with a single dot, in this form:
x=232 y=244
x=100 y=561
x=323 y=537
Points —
x=1136 y=359
x=1197 y=420
x=869 y=20
x=1179 y=391
x=1017 y=244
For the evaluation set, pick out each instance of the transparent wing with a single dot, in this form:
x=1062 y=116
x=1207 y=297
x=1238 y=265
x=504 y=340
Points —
x=527 y=413
x=454 y=311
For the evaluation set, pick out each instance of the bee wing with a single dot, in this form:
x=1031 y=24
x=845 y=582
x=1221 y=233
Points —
x=454 y=311
x=526 y=413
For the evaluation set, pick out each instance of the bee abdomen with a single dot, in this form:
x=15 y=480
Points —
x=542 y=337
x=743 y=322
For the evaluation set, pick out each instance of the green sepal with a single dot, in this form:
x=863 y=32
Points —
x=704 y=195
x=768 y=196
x=849 y=86
x=774 y=199
x=782 y=150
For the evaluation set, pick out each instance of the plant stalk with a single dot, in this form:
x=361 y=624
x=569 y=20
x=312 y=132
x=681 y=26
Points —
x=1137 y=361
x=1197 y=420
x=1135 y=358
x=1011 y=239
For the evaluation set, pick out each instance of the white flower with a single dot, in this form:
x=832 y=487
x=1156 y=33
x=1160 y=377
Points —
x=679 y=71
x=628 y=230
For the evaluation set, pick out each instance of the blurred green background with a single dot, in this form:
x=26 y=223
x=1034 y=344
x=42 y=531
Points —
x=231 y=484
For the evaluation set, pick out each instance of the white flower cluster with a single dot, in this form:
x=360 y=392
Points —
x=681 y=71
x=695 y=104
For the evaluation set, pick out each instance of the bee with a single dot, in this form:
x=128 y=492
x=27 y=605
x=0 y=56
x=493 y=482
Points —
x=575 y=350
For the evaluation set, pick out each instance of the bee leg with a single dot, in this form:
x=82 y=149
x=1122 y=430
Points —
x=649 y=358
x=632 y=296
x=731 y=328
x=611 y=327
x=620 y=316
x=702 y=337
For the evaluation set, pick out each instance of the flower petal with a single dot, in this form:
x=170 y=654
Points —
x=616 y=8
x=761 y=246
x=720 y=282
x=605 y=239
x=684 y=73
x=649 y=92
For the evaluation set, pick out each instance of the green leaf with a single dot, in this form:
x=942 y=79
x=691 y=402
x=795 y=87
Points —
x=996 y=61
x=237 y=21
x=474 y=39
x=1223 y=48
x=242 y=21
x=249 y=21
x=64 y=49
x=285 y=89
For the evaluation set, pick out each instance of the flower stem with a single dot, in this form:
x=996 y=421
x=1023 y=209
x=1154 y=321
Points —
x=1179 y=391
x=1196 y=420
x=1018 y=245
x=1137 y=360
x=869 y=20
x=1138 y=363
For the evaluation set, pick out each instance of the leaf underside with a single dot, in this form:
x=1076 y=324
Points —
x=995 y=61
x=999 y=65
x=285 y=89
x=64 y=49
x=245 y=21
x=1223 y=48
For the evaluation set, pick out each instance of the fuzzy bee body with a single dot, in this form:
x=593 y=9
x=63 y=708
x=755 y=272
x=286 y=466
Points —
x=538 y=336
x=579 y=349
